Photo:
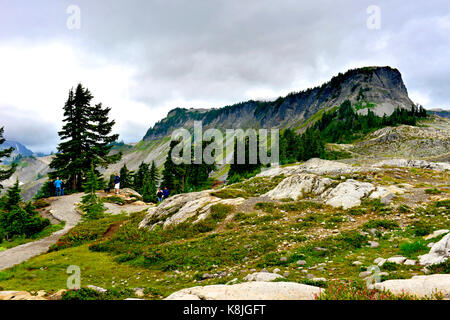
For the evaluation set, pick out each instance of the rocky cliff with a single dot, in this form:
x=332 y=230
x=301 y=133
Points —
x=380 y=89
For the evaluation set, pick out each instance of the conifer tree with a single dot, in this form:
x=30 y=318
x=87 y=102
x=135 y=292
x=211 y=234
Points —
x=13 y=197
x=85 y=139
x=125 y=177
x=90 y=203
x=5 y=174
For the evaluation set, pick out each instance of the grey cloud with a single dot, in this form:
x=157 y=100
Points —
x=216 y=51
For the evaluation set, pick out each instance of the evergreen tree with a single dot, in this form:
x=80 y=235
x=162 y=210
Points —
x=154 y=173
x=5 y=174
x=143 y=171
x=85 y=139
x=90 y=203
x=13 y=197
x=173 y=174
x=126 y=177
x=149 y=190
x=238 y=171
x=18 y=221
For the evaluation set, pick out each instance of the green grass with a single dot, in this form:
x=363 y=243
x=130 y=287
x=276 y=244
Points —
x=413 y=249
x=47 y=231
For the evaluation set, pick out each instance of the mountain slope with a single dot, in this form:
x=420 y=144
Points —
x=378 y=88
x=19 y=150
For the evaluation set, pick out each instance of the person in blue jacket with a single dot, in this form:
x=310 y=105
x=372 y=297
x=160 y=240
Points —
x=166 y=193
x=58 y=186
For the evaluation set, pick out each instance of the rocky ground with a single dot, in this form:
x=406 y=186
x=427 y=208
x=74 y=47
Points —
x=288 y=233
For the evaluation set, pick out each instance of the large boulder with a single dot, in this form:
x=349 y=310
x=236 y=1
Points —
x=20 y=295
x=297 y=186
x=314 y=166
x=348 y=194
x=249 y=291
x=262 y=276
x=181 y=207
x=420 y=286
x=130 y=193
x=439 y=252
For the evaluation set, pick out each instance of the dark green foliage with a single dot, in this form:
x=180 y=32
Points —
x=47 y=190
x=126 y=175
x=385 y=224
x=17 y=219
x=422 y=228
x=179 y=178
x=85 y=139
x=343 y=125
x=5 y=174
x=246 y=170
x=90 y=203
x=148 y=190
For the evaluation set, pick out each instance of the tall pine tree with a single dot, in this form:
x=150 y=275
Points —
x=85 y=139
x=5 y=174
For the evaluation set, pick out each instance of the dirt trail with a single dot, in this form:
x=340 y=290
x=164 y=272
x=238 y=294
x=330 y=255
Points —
x=62 y=209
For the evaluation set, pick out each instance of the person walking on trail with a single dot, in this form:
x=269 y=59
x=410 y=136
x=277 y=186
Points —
x=58 y=186
x=117 y=183
x=166 y=193
x=160 y=195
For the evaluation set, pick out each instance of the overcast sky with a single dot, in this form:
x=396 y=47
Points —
x=143 y=58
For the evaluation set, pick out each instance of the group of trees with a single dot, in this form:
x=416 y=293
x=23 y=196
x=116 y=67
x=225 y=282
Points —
x=16 y=217
x=186 y=177
x=343 y=125
x=145 y=180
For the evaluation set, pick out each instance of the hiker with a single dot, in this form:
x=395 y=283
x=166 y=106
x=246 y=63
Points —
x=160 y=195
x=117 y=183
x=58 y=186
x=166 y=193
x=62 y=187
x=51 y=187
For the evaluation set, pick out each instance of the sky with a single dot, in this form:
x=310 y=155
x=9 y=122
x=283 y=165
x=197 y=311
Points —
x=143 y=58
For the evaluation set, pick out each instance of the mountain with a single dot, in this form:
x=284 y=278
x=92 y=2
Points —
x=19 y=149
x=440 y=112
x=379 y=88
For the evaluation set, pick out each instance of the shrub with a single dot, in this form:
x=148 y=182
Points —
x=220 y=211
x=229 y=193
x=81 y=294
x=422 y=228
x=412 y=248
x=443 y=267
x=343 y=290
x=41 y=203
x=114 y=199
x=433 y=191
x=385 y=224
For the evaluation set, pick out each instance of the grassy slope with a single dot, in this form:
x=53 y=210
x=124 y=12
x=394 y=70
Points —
x=165 y=261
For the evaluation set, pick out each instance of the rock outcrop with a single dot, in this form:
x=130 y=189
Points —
x=181 y=207
x=262 y=276
x=422 y=164
x=419 y=286
x=313 y=166
x=249 y=291
x=439 y=252
x=297 y=186
x=348 y=194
